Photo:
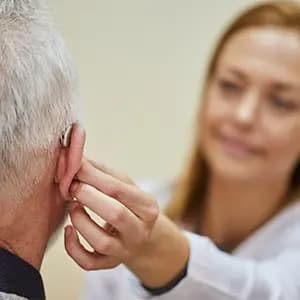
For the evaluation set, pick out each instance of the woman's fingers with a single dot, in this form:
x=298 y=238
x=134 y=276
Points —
x=84 y=258
x=113 y=212
x=129 y=213
x=133 y=198
x=109 y=171
x=97 y=237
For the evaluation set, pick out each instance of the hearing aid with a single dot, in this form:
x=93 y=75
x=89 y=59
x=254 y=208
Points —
x=66 y=137
x=65 y=140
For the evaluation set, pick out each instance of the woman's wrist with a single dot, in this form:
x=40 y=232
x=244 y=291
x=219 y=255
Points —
x=170 y=285
x=163 y=257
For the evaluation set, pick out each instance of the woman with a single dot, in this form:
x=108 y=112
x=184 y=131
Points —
x=238 y=196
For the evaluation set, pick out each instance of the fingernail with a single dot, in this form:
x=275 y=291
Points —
x=68 y=231
x=74 y=187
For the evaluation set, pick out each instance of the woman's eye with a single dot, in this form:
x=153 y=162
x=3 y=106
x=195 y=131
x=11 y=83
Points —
x=282 y=104
x=229 y=86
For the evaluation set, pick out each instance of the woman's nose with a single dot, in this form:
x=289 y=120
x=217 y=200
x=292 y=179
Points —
x=247 y=110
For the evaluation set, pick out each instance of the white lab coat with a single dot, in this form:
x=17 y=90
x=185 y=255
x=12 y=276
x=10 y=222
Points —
x=266 y=266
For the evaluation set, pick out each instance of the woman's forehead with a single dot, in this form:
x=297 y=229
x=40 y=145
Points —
x=267 y=52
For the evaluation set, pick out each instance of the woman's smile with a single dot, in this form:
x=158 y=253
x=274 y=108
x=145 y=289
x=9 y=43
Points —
x=236 y=148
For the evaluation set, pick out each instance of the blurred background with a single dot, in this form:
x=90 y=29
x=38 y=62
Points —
x=140 y=65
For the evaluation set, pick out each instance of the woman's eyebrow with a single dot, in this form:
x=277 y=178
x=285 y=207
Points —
x=279 y=85
x=235 y=72
x=286 y=87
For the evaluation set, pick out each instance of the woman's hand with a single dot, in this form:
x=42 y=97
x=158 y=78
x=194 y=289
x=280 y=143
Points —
x=129 y=212
x=135 y=233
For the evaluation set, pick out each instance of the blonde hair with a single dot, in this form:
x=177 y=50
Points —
x=191 y=188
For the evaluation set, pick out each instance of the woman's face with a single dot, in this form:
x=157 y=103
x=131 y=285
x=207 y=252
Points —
x=252 y=106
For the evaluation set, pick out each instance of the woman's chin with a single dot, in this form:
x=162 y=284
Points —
x=236 y=170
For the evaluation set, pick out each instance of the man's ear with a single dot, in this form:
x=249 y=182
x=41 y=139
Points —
x=70 y=158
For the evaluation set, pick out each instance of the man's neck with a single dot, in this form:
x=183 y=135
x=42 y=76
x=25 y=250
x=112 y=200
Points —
x=23 y=236
x=5 y=245
x=234 y=210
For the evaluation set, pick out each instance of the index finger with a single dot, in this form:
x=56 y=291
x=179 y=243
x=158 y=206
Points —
x=139 y=202
x=121 y=176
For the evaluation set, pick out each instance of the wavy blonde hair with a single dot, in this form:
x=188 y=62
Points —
x=191 y=188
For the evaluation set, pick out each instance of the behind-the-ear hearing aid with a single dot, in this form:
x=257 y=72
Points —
x=66 y=137
x=65 y=140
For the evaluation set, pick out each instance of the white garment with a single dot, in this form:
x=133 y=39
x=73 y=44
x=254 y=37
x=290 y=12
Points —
x=266 y=266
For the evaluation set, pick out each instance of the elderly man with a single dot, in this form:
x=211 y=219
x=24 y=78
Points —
x=38 y=98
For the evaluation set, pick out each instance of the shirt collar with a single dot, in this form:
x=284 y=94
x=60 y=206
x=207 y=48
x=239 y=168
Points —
x=19 y=278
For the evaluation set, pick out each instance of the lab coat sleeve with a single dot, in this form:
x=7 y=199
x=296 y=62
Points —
x=214 y=275
x=97 y=285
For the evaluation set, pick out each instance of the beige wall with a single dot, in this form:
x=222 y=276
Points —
x=140 y=63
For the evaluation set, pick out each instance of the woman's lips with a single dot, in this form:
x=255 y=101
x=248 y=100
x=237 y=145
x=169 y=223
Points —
x=237 y=148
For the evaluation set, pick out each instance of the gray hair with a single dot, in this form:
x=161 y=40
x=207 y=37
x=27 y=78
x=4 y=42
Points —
x=38 y=94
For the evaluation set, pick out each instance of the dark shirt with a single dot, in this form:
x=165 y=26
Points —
x=19 y=278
